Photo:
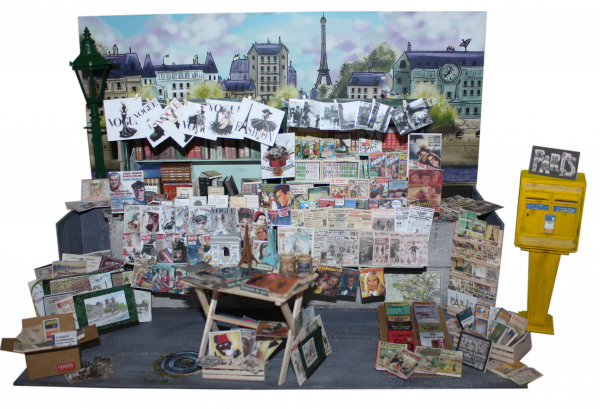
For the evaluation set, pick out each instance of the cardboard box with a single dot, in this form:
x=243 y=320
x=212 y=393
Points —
x=56 y=361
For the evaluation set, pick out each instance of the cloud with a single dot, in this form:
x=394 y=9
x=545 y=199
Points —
x=346 y=46
x=361 y=26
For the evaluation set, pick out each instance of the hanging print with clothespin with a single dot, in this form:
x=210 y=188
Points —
x=121 y=124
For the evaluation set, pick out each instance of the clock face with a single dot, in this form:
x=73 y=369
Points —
x=448 y=72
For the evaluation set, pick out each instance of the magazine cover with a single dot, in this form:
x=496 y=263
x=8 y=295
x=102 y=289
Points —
x=147 y=124
x=195 y=250
x=224 y=119
x=329 y=116
x=121 y=122
x=193 y=120
x=348 y=112
x=380 y=188
x=200 y=220
x=328 y=281
x=393 y=168
x=151 y=222
x=95 y=190
x=381 y=248
x=224 y=221
x=264 y=123
x=131 y=219
x=317 y=193
x=167 y=218
x=298 y=193
x=164 y=247
x=148 y=247
x=398 y=189
x=326 y=149
x=424 y=151
x=278 y=161
x=371 y=283
x=365 y=247
x=131 y=247
x=245 y=217
x=377 y=164
x=349 y=285
x=358 y=188
x=126 y=188
x=425 y=188
x=182 y=219
x=169 y=122
x=339 y=188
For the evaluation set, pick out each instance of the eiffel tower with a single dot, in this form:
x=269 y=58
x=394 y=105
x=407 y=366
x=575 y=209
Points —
x=323 y=69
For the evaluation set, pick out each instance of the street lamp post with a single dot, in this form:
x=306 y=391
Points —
x=90 y=66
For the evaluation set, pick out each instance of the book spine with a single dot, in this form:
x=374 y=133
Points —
x=179 y=151
x=213 y=150
x=219 y=148
x=240 y=151
x=147 y=150
x=246 y=148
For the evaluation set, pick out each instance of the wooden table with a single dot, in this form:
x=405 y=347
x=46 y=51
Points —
x=282 y=302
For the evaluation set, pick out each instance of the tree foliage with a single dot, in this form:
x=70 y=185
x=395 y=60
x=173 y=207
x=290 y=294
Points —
x=205 y=89
x=442 y=113
x=147 y=92
x=323 y=91
x=100 y=47
x=381 y=57
x=287 y=92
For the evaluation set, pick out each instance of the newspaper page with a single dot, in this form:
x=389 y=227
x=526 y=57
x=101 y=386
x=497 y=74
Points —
x=414 y=249
x=382 y=219
x=335 y=247
x=420 y=219
x=358 y=219
x=320 y=244
x=336 y=218
x=350 y=256
x=381 y=248
x=401 y=219
x=315 y=218
x=365 y=247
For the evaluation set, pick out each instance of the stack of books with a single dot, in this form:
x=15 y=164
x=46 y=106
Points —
x=175 y=175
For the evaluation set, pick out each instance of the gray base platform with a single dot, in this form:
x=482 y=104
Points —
x=353 y=335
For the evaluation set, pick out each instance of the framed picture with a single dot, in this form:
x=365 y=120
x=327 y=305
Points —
x=312 y=351
x=109 y=309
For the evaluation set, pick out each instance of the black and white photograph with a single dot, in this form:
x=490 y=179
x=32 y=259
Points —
x=364 y=117
x=348 y=112
x=121 y=124
x=400 y=118
x=330 y=116
x=295 y=109
x=382 y=114
x=418 y=114
x=311 y=114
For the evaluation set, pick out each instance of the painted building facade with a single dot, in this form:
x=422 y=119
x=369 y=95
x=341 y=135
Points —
x=458 y=75
x=175 y=80
x=268 y=67
x=367 y=85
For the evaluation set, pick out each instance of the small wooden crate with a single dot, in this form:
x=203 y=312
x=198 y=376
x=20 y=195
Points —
x=503 y=353
x=232 y=373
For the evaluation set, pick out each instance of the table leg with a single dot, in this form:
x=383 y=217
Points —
x=289 y=317
x=209 y=322
x=204 y=304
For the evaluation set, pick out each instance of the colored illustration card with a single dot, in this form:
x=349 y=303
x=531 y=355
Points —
x=385 y=352
x=272 y=329
x=143 y=302
x=121 y=123
x=226 y=345
x=278 y=161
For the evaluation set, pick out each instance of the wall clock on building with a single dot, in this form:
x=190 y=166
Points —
x=448 y=72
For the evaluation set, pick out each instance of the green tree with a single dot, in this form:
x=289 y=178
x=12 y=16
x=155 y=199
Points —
x=201 y=90
x=323 y=91
x=442 y=113
x=381 y=57
x=100 y=47
x=287 y=92
x=147 y=92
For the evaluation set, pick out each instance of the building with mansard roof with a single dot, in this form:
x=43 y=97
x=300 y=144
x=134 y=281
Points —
x=268 y=64
x=175 y=80
x=125 y=74
x=458 y=75
x=239 y=88
x=367 y=85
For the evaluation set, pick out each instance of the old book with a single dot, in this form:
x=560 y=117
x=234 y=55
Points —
x=385 y=352
x=403 y=364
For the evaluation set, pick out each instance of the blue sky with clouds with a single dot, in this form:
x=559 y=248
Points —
x=349 y=35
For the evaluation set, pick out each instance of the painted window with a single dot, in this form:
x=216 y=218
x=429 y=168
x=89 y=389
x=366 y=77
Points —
x=398 y=80
x=402 y=64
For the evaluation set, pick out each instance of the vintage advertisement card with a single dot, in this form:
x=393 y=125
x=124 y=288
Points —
x=126 y=188
x=278 y=161
x=226 y=345
x=121 y=124
x=272 y=329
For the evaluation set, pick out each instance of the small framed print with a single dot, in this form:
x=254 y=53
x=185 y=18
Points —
x=312 y=351
x=109 y=309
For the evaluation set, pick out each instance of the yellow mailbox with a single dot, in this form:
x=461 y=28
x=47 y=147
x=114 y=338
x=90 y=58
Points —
x=548 y=222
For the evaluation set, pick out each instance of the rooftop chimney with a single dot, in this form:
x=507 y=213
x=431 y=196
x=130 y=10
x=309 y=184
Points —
x=115 y=50
x=408 y=49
